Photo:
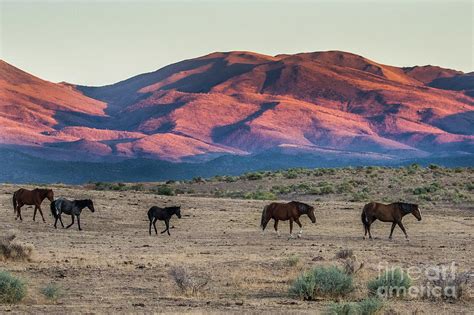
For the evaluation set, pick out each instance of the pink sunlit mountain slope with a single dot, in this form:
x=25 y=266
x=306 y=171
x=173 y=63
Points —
x=333 y=103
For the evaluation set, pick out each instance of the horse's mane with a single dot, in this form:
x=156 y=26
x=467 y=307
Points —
x=406 y=207
x=83 y=202
x=42 y=191
x=174 y=208
x=303 y=207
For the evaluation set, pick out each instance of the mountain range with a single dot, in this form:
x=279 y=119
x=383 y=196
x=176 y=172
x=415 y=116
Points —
x=307 y=109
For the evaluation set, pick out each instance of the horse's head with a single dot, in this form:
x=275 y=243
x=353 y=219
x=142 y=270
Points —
x=307 y=209
x=50 y=195
x=311 y=214
x=177 y=211
x=416 y=212
x=90 y=205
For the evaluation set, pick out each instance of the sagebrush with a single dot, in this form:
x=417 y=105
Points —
x=368 y=306
x=322 y=282
x=392 y=283
x=12 y=289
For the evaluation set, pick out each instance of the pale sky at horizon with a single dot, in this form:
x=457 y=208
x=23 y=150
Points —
x=103 y=42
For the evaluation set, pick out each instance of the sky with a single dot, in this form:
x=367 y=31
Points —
x=103 y=42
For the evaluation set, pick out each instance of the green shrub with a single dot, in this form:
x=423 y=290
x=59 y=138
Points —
x=368 y=306
x=293 y=260
x=253 y=176
x=291 y=175
x=260 y=195
x=12 y=289
x=322 y=190
x=470 y=186
x=303 y=287
x=391 y=283
x=198 y=179
x=322 y=282
x=137 y=187
x=359 y=196
x=52 y=291
x=282 y=189
x=164 y=190
x=229 y=194
x=345 y=187
x=426 y=189
x=230 y=179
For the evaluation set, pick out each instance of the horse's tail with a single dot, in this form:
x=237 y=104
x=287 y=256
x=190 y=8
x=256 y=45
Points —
x=264 y=214
x=54 y=211
x=14 y=202
x=363 y=216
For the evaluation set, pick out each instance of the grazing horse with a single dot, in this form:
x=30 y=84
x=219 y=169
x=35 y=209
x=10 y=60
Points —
x=162 y=214
x=286 y=211
x=393 y=212
x=74 y=208
x=34 y=197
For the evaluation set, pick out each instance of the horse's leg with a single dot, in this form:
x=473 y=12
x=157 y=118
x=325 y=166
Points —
x=154 y=226
x=365 y=229
x=166 y=227
x=368 y=228
x=34 y=213
x=149 y=228
x=391 y=231
x=18 y=214
x=41 y=212
x=72 y=222
x=61 y=220
x=301 y=227
x=79 y=222
x=403 y=229
x=275 y=225
x=291 y=227
x=167 y=222
x=55 y=222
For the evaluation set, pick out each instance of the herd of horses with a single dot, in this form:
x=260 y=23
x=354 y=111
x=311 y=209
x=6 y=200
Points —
x=290 y=211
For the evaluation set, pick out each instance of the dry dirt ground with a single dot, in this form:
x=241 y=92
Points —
x=114 y=266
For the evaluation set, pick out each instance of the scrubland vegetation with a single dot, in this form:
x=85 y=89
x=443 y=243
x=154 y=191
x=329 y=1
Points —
x=216 y=259
x=433 y=184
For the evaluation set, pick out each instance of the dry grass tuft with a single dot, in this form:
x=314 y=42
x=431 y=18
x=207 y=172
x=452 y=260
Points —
x=187 y=283
x=11 y=250
x=345 y=253
x=352 y=265
x=452 y=288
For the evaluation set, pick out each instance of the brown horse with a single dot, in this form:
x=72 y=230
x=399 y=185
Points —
x=393 y=212
x=286 y=211
x=33 y=197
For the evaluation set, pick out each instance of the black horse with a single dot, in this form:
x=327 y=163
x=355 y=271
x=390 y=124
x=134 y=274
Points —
x=74 y=208
x=162 y=214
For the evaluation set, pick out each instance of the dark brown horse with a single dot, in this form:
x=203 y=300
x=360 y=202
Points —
x=286 y=211
x=393 y=212
x=33 y=197
x=162 y=214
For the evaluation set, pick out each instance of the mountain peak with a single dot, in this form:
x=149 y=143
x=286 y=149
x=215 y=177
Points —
x=244 y=103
